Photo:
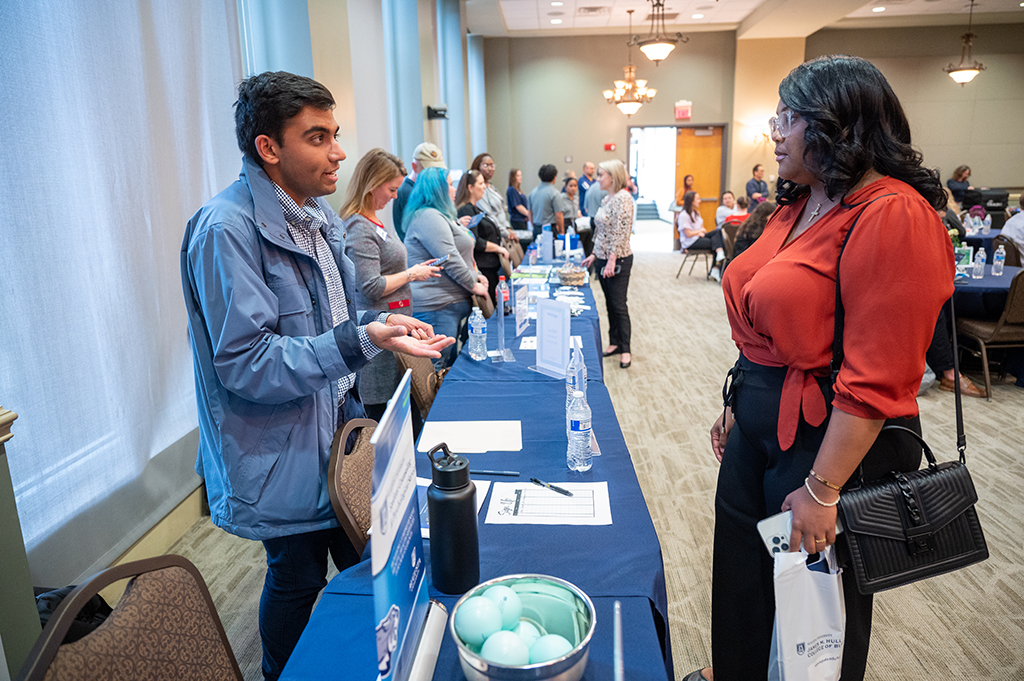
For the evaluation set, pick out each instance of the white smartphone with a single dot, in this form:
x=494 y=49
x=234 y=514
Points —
x=775 y=531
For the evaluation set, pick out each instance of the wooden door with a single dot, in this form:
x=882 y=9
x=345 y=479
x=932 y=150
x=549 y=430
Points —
x=699 y=153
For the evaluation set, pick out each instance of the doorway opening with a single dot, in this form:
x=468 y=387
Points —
x=661 y=156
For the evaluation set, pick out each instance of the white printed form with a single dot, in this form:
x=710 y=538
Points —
x=524 y=503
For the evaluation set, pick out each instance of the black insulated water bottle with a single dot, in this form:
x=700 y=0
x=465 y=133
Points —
x=451 y=507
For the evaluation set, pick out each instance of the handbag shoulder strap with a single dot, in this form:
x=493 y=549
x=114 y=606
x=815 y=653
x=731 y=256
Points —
x=837 y=339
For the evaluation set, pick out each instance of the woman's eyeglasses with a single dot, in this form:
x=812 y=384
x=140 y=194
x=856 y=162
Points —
x=782 y=124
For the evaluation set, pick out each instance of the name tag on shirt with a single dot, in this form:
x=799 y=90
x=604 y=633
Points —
x=382 y=233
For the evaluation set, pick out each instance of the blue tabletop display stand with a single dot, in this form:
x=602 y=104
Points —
x=396 y=547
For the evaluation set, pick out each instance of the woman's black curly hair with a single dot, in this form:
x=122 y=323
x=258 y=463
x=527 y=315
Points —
x=854 y=123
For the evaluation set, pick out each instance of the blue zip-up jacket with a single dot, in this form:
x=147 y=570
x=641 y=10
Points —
x=267 y=358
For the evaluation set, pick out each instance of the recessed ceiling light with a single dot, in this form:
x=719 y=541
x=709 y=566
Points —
x=556 y=21
x=877 y=9
x=698 y=16
x=557 y=4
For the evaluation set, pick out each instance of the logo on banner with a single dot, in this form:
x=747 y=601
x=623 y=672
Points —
x=387 y=640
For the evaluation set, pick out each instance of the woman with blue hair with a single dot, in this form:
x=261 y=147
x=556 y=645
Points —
x=433 y=231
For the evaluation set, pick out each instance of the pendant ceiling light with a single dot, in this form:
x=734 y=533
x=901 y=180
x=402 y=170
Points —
x=968 y=67
x=659 y=43
x=630 y=94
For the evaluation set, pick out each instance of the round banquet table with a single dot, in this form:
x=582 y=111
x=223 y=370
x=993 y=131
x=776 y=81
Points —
x=982 y=240
x=984 y=298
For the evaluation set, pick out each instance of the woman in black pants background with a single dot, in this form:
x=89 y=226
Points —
x=612 y=255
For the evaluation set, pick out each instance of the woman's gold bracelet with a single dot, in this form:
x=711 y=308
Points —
x=807 y=484
x=825 y=482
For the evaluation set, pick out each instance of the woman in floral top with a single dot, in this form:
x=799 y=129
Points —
x=612 y=255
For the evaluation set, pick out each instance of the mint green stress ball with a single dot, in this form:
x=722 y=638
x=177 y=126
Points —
x=549 y=647
x=476 y=619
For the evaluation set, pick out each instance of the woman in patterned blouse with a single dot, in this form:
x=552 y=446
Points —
x=612 y=255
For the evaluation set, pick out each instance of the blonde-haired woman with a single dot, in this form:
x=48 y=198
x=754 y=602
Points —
x=612 y=255
x=382 y=279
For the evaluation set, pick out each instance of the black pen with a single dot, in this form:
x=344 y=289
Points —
x=551 y=487
x=511 y=474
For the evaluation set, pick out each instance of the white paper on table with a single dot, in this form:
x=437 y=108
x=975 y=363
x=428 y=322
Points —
x=530 y=342
x=525 y=503
x=464 y=437
x=421 y=497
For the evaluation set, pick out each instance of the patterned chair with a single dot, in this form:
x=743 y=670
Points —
x=164 y=628
x=350 y=480
x=426 y=381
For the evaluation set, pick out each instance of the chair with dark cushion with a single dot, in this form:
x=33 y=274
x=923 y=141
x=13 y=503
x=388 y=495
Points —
x=350 y=480
x=1013 y=256
x=164 y=628
x=1007 y=332
x=729 y=230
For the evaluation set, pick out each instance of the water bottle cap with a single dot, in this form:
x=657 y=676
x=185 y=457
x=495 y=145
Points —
x=578 y=393
x=450 y=471
x=476 y=309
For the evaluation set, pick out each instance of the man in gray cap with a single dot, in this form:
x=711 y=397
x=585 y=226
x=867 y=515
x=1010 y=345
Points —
x=426 y=155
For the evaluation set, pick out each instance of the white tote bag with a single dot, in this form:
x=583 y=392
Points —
x=810 y=619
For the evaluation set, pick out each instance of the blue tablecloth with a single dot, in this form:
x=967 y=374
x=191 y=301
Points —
x=587 y=325
x=335 y=644
x=622 y=560
x=983 y=298
x=982 y=240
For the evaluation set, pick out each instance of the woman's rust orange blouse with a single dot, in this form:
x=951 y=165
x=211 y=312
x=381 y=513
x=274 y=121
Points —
x=897 y=271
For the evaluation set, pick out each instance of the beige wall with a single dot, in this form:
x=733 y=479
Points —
x=329 y=30
x=544 y=95
x=544 y=98
x=980 y=124
x=760 y=66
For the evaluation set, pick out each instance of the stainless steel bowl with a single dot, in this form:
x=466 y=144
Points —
x=575 y=622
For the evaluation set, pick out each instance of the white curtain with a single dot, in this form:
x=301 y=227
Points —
x=117 y=126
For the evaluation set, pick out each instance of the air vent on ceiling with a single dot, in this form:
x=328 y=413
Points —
x=668 y=17
x=592 y=11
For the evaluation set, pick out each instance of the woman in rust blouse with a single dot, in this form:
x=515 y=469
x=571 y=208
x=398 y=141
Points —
x=788 y=440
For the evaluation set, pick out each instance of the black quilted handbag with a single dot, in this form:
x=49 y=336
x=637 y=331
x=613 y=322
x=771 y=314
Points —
x=905 y=526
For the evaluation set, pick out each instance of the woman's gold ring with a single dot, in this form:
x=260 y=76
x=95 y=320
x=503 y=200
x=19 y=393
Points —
x=819 y=541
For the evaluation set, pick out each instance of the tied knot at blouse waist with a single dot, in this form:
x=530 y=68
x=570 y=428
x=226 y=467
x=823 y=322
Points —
x=801 y=394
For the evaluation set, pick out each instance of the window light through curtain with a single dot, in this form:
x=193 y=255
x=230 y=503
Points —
x=117 y=126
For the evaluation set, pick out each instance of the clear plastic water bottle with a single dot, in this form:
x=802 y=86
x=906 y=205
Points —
x=578 y=456
x=547 y=245
x=501 y=293
x=986 y=224
x=572 y=382
x=998 y=260
x=575 y=375
x=979 y=264
x=477 y=335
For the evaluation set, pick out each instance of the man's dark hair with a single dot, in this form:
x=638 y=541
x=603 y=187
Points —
x=755 y=168
x=268 y=100
x=547 y=172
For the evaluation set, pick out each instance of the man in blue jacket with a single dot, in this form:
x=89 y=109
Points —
x=276 y=342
